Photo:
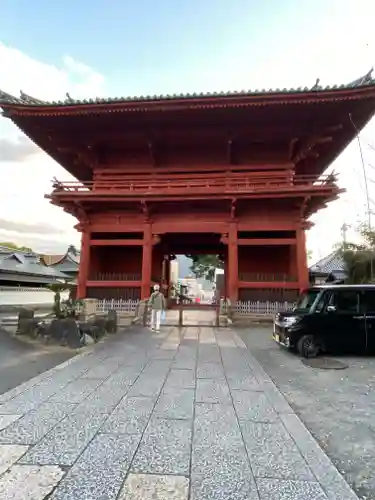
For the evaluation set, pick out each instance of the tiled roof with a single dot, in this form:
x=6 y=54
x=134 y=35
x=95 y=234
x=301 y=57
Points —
x=25 y=99
x=26 y=264
x=333 y=263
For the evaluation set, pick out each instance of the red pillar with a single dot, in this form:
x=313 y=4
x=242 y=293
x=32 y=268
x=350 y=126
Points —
x=84 y=264
x=146 y=262
x=302 y=269
x=232 y=263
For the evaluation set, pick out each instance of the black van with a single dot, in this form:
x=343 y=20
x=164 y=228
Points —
x=329 y=318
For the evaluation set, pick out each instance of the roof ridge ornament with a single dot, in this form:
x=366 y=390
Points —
x=28 y=99
x=6 y=98
x=366 y=79
x=316 y=85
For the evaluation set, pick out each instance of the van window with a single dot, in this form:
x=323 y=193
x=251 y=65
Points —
x=368 y=301
x=307 y=298
x=345 y=301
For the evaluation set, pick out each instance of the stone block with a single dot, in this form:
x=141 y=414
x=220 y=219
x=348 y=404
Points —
x=33 y=482
x=100 y=471
x=272 y=489
x=178 y=404
x=111 y=322
x=273 y=453
x=165 y=448
x=32 y=427
x=151 y=487
x=66 y=441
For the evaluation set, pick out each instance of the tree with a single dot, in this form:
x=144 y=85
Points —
x=204 y=266
x=13 y=246
x=359 y=258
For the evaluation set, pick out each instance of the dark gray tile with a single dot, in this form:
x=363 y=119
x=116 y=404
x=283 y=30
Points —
x=277 y=489
x=184 y=362
x=130 y=417
x=273 y=453
x=101 y=371
x=165 y=448
x=210 y=370
x=168 y=354
x=100 y=470
x=103 y=399
x=243 y=382
x=76 y=391
x=176 y=404
x=216 y=423
x=180 y=379
x=32 y=427
x=209 y=353
x=224 y=485
x=31 y=398
x=334 y=484
x=147 y=385
x=254 y=406
x=212 y=391
x=64 y=444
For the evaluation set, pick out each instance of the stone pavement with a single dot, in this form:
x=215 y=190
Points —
x=184 y=414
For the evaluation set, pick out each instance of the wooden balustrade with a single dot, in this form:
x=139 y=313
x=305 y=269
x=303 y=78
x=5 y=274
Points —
x=175 y=186
x=266 y=277
x=114 y=277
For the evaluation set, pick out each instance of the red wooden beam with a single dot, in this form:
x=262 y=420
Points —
x=116 y=243
x=113 y=284
x=266 y=241
x=269 y=284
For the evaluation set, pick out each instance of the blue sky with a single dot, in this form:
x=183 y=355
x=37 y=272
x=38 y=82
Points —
x=165 y=45
x=139 y=47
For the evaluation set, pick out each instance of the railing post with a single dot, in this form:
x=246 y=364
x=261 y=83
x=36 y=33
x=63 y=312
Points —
x=180 y=313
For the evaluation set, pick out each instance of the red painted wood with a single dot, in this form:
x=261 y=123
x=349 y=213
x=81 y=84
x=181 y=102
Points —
x=302 y=268
x=232 y=262
x=84 y=266
x=119 y=242
x=289 y=285
x=113 y=284
x=146 y=261
x=266 y=241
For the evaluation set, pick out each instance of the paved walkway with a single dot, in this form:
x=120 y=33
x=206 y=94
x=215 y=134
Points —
x=178 y=415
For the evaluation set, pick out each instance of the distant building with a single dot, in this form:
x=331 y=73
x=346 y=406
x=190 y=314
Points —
x=26 y=269
x=67 y=263
x=328 y=269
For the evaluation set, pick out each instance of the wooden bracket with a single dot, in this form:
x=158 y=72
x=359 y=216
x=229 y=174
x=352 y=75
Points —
x=224 y=239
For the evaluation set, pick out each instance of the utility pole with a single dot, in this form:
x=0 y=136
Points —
x=344 y=230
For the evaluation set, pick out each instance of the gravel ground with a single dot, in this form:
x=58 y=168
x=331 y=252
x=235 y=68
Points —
x=20 y=360
x=338 y=407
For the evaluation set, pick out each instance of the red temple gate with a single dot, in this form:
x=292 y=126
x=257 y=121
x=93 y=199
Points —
x=235 y=174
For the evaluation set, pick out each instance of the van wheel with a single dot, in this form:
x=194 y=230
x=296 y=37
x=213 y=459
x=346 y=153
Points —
x=308 y=347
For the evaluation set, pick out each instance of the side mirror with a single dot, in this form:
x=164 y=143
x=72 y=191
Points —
x=331 y=309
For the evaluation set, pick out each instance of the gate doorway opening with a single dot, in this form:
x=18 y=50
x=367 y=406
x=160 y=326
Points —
x=193 y=259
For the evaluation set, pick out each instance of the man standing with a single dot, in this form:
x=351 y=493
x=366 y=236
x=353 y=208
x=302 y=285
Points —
x=157 y=304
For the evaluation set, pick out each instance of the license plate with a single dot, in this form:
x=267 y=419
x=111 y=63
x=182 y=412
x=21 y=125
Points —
x=276 y=337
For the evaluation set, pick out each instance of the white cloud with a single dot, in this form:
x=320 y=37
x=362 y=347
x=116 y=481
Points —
x=26 y=178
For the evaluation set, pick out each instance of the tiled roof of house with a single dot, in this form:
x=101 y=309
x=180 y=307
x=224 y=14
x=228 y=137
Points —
x=66 y=263
x=331 y=264
x=26 y=263
x=25 y=99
